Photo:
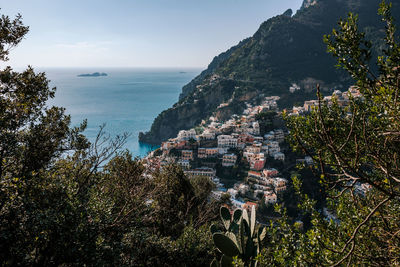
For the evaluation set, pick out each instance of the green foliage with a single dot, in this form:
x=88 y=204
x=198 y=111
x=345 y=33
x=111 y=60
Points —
x=240 y=241
x=226 y=244
x=179 y=200
x=42 y=209
x=193 y=248
x=11 y=34
x=355 y=145
x=174 y=152
x=65 y=201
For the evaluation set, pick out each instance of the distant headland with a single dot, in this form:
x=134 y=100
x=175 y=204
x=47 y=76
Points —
x=95 y=74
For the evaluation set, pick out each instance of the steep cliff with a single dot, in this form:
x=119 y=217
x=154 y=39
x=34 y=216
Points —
x=285 y=50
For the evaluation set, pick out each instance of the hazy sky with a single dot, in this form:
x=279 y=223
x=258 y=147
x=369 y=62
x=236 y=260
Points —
x=135 y=33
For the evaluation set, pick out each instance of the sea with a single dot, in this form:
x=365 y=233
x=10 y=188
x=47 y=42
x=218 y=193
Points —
x=127 y=100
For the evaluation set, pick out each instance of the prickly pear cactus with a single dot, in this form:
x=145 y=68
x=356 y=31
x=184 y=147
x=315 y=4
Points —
x=241 y=238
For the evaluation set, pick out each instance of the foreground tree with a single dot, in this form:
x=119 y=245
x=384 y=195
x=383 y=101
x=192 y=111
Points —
x=66 y=201
x=356 y=149
x=31 y=137
x=47 y=170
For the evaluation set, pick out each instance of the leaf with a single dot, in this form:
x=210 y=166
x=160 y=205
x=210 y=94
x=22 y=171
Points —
x=233 y=237
x=245 y=216
x=225 y=244
x=226 y=261
x=253 y=221
x=246 y=228
x=249 y=252
x=225 y=216
x=262 y=232
x=241 y=236
x=237 y=215
x=234 y=228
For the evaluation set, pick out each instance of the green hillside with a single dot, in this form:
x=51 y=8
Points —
x=285 y=49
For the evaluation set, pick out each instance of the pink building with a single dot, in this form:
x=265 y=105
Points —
x=257 y=165
x=270 y=172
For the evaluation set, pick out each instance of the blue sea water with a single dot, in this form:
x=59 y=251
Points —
x=127 y=100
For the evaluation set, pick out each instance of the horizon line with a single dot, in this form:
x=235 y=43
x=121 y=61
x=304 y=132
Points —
x=110 y=67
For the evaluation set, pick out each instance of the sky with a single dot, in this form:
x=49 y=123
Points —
x=135 y=33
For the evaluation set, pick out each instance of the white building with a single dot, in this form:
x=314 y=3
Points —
x=262 y=187
x=273 y=150
x=243 y=188
x=237 y=204
x=294 y=88
x=186 y=135
x=222 y=150
x=258 y=139
x=207 y=152
x=168 y=145
x=208 y=134
x=229 y=160
x=273 y=144
x=279 y=156
x=279 y=135
x=298 y=110
x=232 y=192
x=185 y=164
x=216 y=194
x=203 y=171
x=270 y=197
x=254 y=148
x=280 y=184
x=227 y=141
x=269 y=136
x=255 y=129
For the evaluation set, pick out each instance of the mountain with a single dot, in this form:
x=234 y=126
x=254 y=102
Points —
x=285 y=49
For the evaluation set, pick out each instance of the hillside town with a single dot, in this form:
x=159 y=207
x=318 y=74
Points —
x=226 y=144
x=342 y=98
x=198 y=151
